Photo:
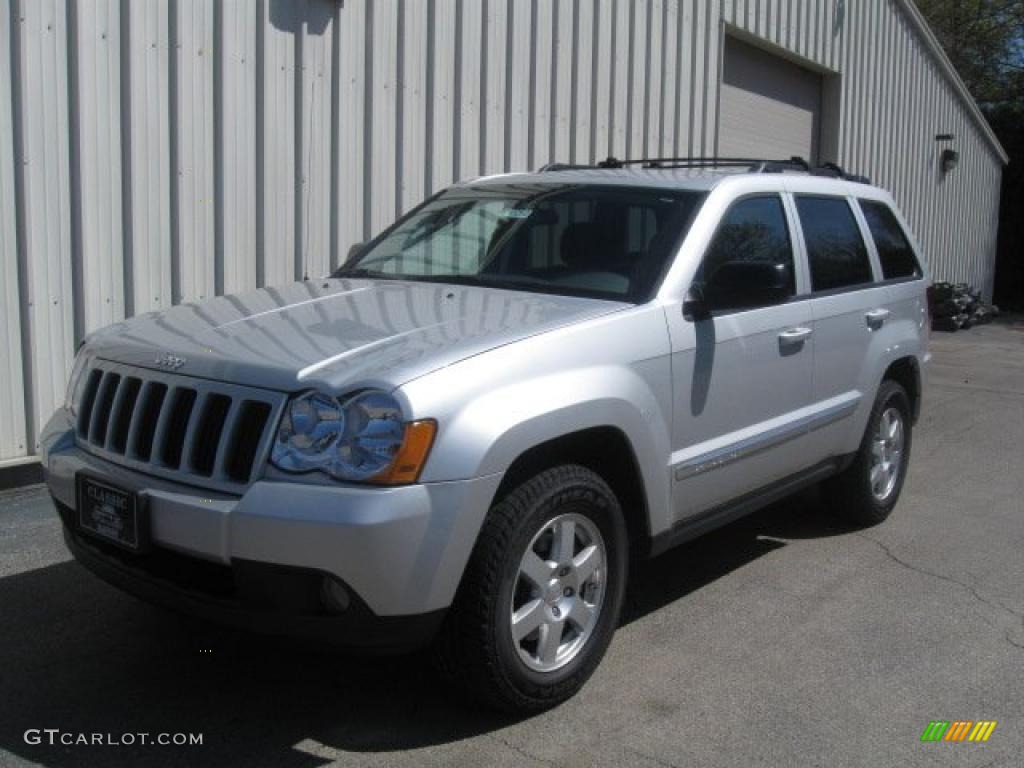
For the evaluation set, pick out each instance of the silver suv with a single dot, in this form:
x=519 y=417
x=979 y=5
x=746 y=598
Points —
x=466 y=434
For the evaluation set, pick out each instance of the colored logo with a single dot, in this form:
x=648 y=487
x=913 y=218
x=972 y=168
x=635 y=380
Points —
x=958 y=730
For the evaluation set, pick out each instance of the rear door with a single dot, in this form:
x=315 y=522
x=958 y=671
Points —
x=849 y=307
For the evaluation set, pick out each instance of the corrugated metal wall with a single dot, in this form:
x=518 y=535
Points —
x=160 y=151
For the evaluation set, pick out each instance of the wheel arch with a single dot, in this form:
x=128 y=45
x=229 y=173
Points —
x=605 y=450
x=906 y=372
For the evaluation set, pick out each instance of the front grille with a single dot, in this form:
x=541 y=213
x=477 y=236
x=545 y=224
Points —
x=190 y=430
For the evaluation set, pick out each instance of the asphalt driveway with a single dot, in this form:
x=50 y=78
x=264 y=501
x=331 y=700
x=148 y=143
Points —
x=779 y=640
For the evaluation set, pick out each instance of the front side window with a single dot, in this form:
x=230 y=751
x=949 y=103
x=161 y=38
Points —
x=750 y=260
x=574 y=239
x=836 y=251
x=894 y=250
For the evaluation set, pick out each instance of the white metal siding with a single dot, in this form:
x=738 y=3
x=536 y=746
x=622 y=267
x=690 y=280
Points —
x=161 y=151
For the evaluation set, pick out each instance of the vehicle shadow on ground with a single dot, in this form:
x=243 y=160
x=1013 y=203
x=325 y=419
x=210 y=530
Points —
x=84 y=658
x=690 y=567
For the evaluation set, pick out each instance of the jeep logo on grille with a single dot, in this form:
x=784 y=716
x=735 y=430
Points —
x=173 y=362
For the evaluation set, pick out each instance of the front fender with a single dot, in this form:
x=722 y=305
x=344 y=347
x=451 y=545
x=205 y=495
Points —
x=493 y=408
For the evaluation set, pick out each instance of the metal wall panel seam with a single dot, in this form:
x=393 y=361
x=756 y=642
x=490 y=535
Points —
x=603 y=79
x=468 y=107
x=648 y=75
x=334 y=247
x=586 y=51
x=670 y=47
x=442 y=73
x=219 y=46
x=196 y=162
x=43 y=99
x=713 y=76
x=74 y=141
x=618 y=23
x=98 y=97
x=318 y=40
x=495 y=90
x=127 y=217
x=351 y=202
x=561 y=80
x=697 y=83
x=259 y=142
x=506 y=127
x=237 y=118
x=13 y=426
x=148 y=171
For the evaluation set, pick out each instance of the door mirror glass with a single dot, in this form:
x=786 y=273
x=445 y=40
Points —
x=749 y=262
x=743 y=284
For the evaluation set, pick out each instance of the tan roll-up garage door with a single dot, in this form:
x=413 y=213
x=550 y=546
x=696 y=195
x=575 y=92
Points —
x=769 y=107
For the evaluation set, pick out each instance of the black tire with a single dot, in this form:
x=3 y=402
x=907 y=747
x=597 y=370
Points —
x=475 y=650
x=850 y=492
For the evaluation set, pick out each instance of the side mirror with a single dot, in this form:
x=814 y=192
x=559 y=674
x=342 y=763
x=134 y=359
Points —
x=353 y=252
x=695 y=306
x=747 y=284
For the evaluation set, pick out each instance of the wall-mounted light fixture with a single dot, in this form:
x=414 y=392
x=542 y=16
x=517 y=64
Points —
x=949 y=158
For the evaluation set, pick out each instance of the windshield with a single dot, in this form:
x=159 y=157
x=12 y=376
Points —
x=586 y=240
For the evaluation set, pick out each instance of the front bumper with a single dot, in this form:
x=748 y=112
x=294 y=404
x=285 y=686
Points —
x=399 y=552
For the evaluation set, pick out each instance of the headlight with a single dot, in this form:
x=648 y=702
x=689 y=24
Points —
x=361 y=438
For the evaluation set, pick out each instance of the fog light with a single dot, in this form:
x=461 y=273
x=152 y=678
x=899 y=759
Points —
x=333 y=595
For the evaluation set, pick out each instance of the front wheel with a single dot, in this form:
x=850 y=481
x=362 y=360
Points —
x=866 y=491
x=541 y=596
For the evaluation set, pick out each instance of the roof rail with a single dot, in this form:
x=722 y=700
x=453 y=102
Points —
x=549 y=167
x=758 y=164
x=753 y=164
x=835 y=171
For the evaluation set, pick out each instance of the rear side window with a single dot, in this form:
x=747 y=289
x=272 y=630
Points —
x=836 y=251
x=894 y=251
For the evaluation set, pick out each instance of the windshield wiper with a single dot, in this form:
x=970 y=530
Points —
x=362 y=272
x=482 y=281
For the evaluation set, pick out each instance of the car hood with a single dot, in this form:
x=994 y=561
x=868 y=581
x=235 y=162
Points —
x=337 y=332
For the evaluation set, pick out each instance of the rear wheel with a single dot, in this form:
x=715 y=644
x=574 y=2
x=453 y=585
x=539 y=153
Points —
x=541 y=596
x=866 y=491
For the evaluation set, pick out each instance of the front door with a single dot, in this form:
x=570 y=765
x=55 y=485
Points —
x=742 y=371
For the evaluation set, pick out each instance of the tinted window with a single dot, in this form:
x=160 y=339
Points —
x=574 y=239
x=835 y=248
x=894 y=251
x=750 y=260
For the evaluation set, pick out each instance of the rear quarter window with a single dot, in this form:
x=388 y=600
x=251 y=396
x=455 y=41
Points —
x=894 y=249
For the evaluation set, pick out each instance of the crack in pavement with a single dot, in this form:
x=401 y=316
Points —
x=990 y=602
x=644 y=755
x=520 y=751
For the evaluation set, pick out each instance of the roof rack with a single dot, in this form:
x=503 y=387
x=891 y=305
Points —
x=752 y=164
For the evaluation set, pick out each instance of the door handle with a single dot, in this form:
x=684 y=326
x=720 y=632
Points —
x=795 y=335
x=876 y=317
